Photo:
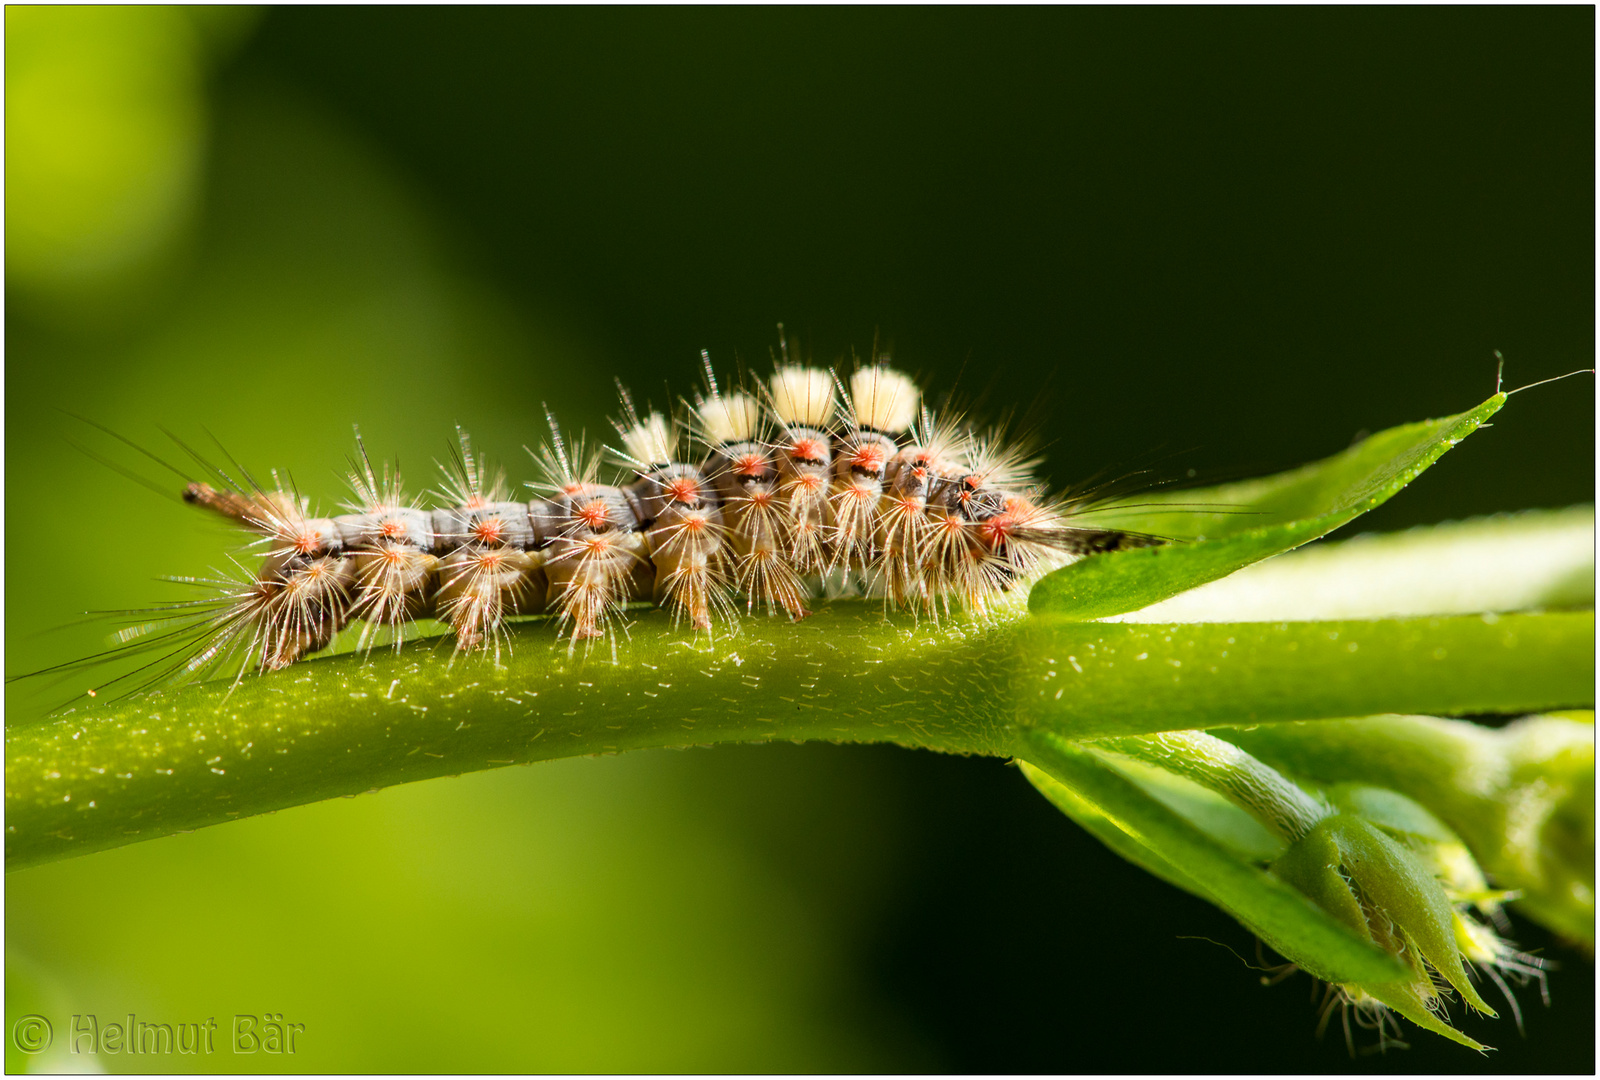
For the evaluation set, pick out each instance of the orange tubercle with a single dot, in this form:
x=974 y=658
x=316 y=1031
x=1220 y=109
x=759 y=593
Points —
x=998 y=529
x=594 y=513
x=869 y=456
x=806 y=450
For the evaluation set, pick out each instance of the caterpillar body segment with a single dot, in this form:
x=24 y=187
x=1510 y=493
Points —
x=686 y=541
x=741 y=465
x=480 y=586
x=904 y=525
x=592 y=574
x=752 y=496
x=802 y=404
x=880 y=406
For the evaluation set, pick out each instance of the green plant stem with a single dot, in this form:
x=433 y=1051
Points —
x=161 y=763
x=1253 y=786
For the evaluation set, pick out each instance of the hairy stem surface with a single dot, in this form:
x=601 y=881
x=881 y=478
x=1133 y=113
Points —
x=166 y=762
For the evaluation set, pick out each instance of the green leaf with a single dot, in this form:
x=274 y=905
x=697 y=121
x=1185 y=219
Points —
x=1353 y=875
x=1264 y=517
x=1073 y=778
x=1538 y=559
x=1400 y=901
x=1522 y=796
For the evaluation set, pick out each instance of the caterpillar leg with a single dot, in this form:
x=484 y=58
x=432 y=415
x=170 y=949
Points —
x=691 y=561
x=294 y=607
x=480 y=586
x=591 y=575
x=394 y=584
x=903 y=535
x=959 y=568
x=855 y=522
x=764 y=574
x=806 y=522
x=767 y=579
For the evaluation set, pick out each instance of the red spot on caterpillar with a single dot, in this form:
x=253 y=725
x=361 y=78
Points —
x=490 y=530
x=998 y=529
x=306 y=542
x=391 y=528
x=683 y=489
x=806 y=450
x=1023 y=512
x=594 y=513
x=869 y=456
x=749 y=465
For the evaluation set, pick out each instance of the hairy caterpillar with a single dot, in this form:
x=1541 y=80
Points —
x=752 y=498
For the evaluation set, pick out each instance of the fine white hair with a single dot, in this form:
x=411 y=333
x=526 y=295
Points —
x=884 y=399
x=649 y=442
x=802 y=396
x=730 y=418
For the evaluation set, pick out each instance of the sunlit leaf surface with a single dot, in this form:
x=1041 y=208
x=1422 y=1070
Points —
x=1223 y=529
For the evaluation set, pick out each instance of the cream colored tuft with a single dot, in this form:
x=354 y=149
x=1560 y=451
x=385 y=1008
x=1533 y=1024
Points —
x=650 y=442
x=732 y=418
x=802 y=396
x=884 y=399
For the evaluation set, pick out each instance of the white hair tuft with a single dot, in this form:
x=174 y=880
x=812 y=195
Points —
x=650 y=442
x=884 y=399
x=802 y=396
x=730 y=418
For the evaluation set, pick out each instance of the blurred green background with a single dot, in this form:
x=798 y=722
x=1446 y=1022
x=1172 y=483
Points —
x=1233 y=239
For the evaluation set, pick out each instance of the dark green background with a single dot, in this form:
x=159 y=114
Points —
x=1227 y=239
